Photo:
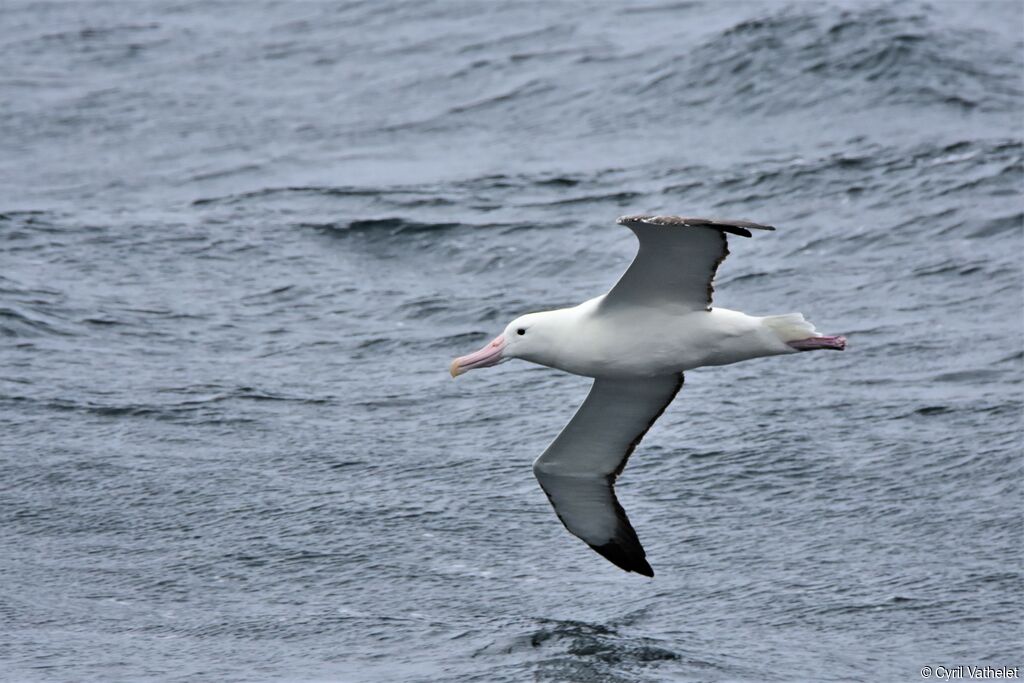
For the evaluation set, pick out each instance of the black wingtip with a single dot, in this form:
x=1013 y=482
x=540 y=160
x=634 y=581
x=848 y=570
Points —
x=621 y=558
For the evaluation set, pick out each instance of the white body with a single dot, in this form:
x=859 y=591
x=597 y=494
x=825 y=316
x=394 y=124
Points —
x=617 y=342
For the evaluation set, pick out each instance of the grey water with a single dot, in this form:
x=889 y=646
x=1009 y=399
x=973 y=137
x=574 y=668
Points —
x=241 y=242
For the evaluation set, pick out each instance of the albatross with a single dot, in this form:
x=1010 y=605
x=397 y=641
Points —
x=636 y=342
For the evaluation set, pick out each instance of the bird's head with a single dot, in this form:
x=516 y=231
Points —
x=531 y=337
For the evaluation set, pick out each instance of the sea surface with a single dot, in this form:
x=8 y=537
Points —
x=240 y=243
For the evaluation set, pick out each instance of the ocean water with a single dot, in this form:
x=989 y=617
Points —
x=241 y=242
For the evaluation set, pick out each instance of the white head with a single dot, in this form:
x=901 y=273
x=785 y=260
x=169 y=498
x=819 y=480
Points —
x=535 y=337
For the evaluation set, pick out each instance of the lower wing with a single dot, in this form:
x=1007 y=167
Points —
x=579 y=468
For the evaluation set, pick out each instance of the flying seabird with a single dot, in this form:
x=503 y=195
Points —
x=636 y=341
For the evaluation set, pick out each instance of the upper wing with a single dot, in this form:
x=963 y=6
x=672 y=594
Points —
x=578 y=469
x=676 y=261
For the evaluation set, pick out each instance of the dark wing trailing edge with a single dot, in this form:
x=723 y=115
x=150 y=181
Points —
x=579 y=468
x=676 y=261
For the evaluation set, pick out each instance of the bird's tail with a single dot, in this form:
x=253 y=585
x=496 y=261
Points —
x=790 y=327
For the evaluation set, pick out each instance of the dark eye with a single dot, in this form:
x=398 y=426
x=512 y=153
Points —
x=521 y=331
